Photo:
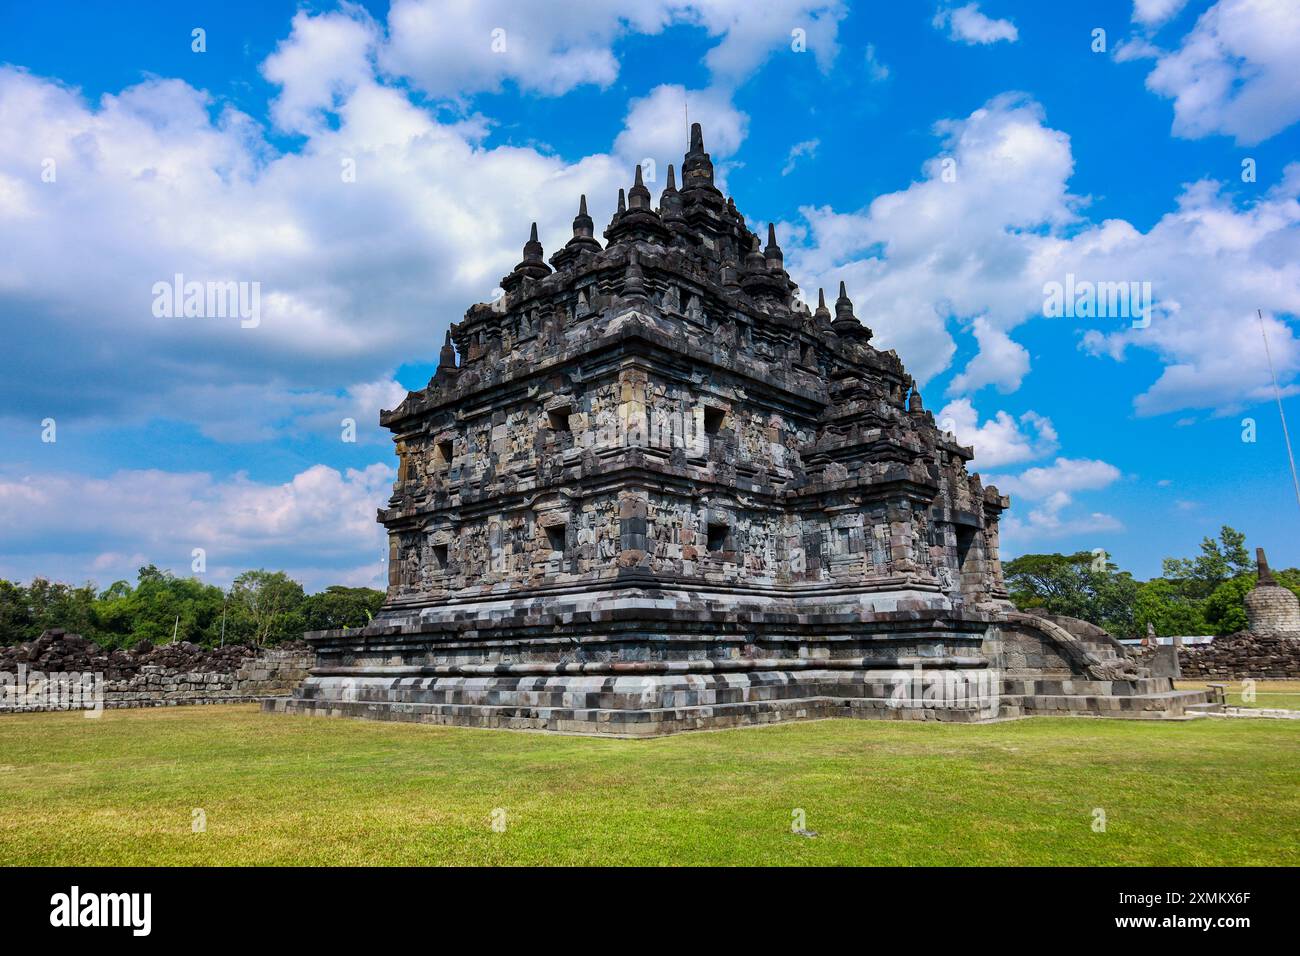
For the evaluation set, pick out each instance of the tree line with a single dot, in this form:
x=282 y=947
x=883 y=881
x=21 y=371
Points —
x=1199 y=595
x=260 y=608
x=1204 y=594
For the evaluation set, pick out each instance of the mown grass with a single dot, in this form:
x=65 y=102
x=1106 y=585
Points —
x=1267 y=693
x=292 y=790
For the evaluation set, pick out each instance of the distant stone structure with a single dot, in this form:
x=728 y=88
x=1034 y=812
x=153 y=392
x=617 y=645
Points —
x=1270 y=645
x=1271 y=608
x=658 y=492
x=166 y=676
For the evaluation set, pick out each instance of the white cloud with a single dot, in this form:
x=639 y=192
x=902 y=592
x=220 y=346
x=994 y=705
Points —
x=751 y=32
x=324 y=61
x=66 y=523
x=876 y=70
x=1152 y=13
x=968 y=25
x=151 y=183
x=977 y=239
x=1210 y=263
x=1050 y=491
x=148 y=186
x=1064 y=475
x=1136 y=48
x=1000 y=362
x=287 y=412
x=1234 y=73
x=806 y=148
x=957 y=243
x=451 y=48
x=656 y=128
x=1002 y=439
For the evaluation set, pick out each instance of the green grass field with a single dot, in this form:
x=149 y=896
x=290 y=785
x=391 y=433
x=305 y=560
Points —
x=121 y=789
x=1267 y=693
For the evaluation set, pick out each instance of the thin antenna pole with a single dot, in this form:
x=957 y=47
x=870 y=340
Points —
x=686 y=112
x=1277 y=394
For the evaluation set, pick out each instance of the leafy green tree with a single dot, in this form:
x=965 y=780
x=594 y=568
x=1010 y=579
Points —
x=161 y=606
x=1076 y=585
x=1225 y=608
x=16 y=620
x=262 y=607
x=1289 y=578
x=338 y=606
x=1160 y=604
x=1219 y=561
x=53 y=604
x=265 y=608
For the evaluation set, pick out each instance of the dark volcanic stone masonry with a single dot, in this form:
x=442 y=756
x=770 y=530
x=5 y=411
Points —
x=659 y=492
x=148 y=676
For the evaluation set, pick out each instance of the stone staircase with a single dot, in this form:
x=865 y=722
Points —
x=1147 y=698
x=1104 y=680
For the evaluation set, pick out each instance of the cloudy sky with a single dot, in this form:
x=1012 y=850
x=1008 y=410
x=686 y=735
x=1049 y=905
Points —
x=374 y=169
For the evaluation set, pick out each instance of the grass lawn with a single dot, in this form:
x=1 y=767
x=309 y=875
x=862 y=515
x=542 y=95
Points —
x=1268 y=693
x=279 y=790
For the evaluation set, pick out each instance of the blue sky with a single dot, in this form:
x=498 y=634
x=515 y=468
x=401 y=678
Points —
x=1122 y=164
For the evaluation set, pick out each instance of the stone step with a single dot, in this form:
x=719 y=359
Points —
x=485 y=703
x=1172 y=704
x=1086 y=686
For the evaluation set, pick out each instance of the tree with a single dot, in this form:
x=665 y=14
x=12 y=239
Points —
x=1218 y=562
x=265 y=607
x=1225 y=608
x=45 y=604
x=1160 y=604
x=159 y=607
x=15 y=614
x=1074 y=585
x=338 y=606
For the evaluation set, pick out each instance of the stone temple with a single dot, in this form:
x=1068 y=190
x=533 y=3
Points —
x=1270 y=608
x=650 y=490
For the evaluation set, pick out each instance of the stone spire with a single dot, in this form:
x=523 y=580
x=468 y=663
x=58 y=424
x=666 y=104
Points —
x=697 y=168
x=846 y=324
x=1265 y=575
x=760 y=280
x=914 y=403
x=583 y=227
x=773 y=255
x=638 y=197
x=532 y=266
x=633 y=278
x=844 y=305
x=670 y=200
x=583 y=238
x=636 y=219
x=447 y=357
x=822 y=312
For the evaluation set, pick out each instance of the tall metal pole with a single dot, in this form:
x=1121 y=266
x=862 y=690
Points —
x=1277 y=394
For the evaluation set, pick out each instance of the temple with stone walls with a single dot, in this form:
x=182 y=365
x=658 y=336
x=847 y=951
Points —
x=649 y=489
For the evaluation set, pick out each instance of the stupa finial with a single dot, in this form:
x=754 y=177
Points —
x=638 y=196
x=773 y=255
x=1266 y=578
